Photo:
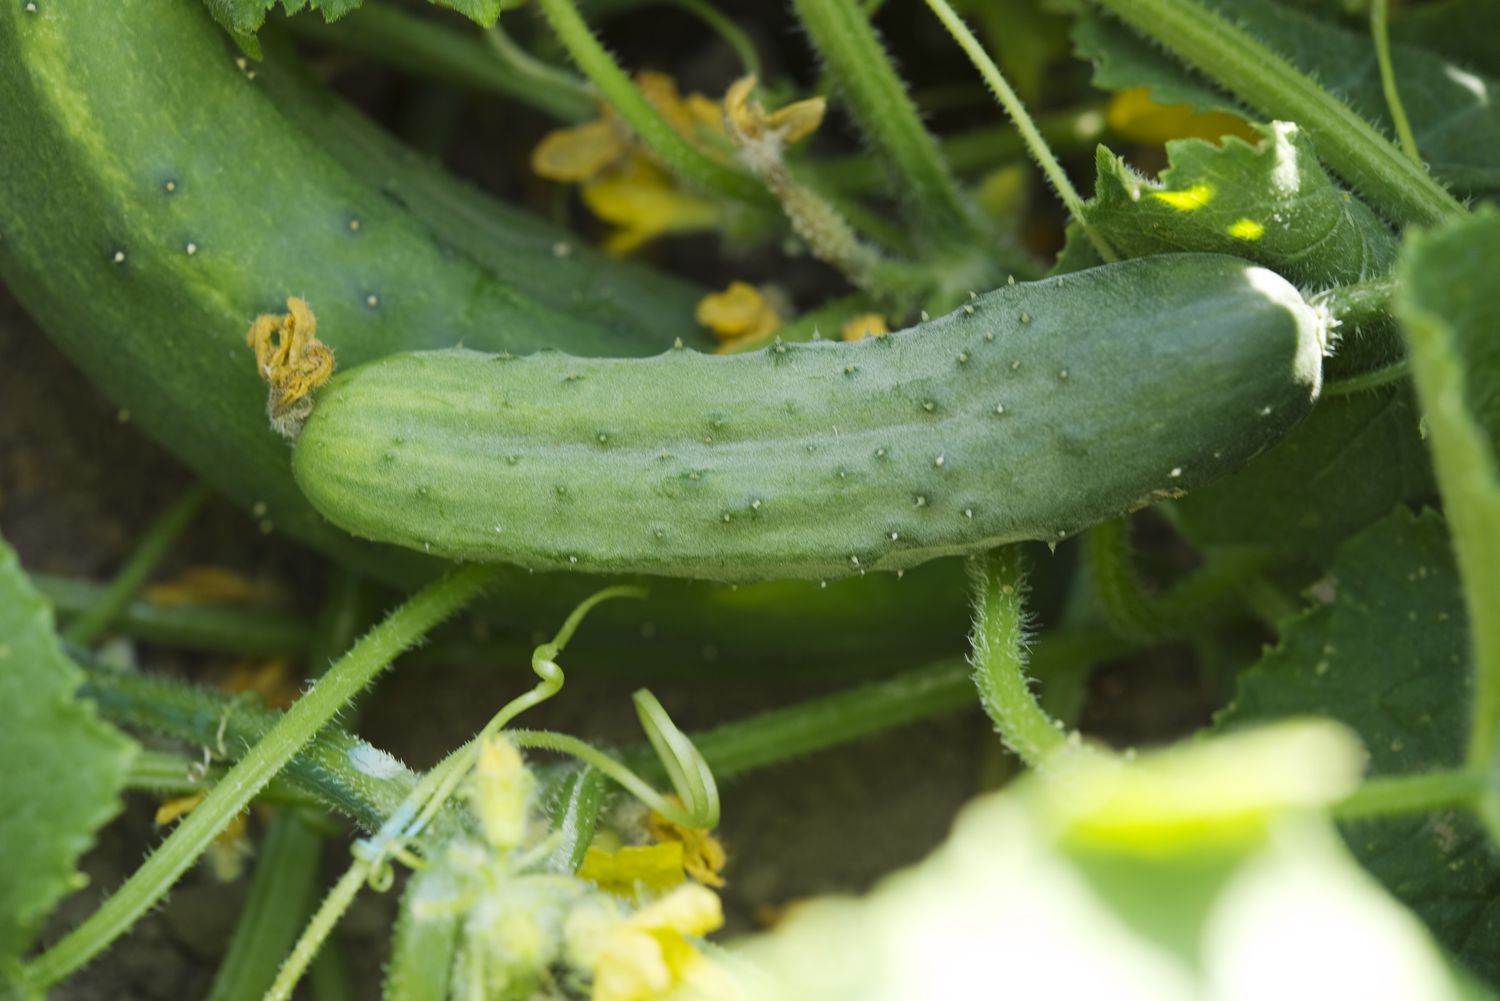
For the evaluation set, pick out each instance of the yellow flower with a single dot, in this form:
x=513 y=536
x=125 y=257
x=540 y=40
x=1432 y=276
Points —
x=702 y=855
x=750 y=121
x=864 y=325
x=643 y=202
x=291 y=361
x=633 y=869
x=621 y=184
x=1135 y=116
x=648 y=954
x=271 y=679
x=208 y=585
x=230 y=847
x=739 y=312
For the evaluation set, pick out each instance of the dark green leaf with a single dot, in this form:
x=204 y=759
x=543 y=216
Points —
x=1353 y=460
x=243 y=18
x=1272 y=203
x=1455 y=112
x=64 y=768
x=1388 y=655
x=1464 y=31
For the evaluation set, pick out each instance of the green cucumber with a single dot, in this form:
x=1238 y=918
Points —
x=154 y=198
x=1031 y=413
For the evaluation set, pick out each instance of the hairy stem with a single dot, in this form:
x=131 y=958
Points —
x=1000 y=661
x=296 y=728
x=1422 y=793
x=1013 y=106
x=1268 y=83
x=159 y=538
x=876 y=96
x=677 y=154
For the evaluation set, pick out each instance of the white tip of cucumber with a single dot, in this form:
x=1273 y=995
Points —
x=1314 y=329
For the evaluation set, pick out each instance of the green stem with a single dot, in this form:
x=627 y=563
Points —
x=164 y=773
x=243 y=631
x=1017 y=111
x=1357 y=303
x=1000 y=659
x=329 y=977
x=876 y=96
x=626 y=779
x=780 y=734
x=329 y=911
x=1386 y=795
x=427 y=48
x=337 y=769
x=1274 y=87
x=1112 y=572
x=677 y=154
x=1380 y=31
x=296 y=728
x=281 y=892
x=160 y=537
x=1374 y=379
x=545 y=75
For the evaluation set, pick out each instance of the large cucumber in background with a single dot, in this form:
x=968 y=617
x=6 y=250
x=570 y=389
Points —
x=154 y=197
x=1029 y=414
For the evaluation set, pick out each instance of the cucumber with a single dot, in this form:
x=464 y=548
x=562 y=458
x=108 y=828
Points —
x=154 y=198
x=1030 y=413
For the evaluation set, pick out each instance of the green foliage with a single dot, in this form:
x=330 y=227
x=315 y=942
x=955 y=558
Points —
x=243 y=18
x=64 y=768
x=1272 y=203
x=1456 y=114
x=1450 y=315
x=1185 y=875
x=1384 y=652
x=1354 y=459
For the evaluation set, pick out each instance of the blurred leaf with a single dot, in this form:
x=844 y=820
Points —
x=64 y=768
x=1198 y=872
x=1451 y=317
x=1464 y=31
x=1456 y=113
x=1343 y=469
x=243 y=18
x=1388 y=656
x=1272 y=203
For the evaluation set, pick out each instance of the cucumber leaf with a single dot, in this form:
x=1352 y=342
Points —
x=1344 y=469
x=1388 y=656
x=1454 y=111
x=1190 y=873
x=1449 y=313
x=1271 y=202
x=65 y=768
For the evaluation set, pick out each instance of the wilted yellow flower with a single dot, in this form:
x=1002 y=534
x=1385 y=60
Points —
x=647 y=955
x=208 y=585
x=230 y=847
x=644 y=203
x=739 y=312
x=702 y=855
x=1135 y=116
x=291 y=361
x=621 y=184
x=864 y=325
x=270 y=678
x=750 y=121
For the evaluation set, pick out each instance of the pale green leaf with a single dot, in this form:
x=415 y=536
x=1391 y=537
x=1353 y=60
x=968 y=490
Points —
x=1193 y=873
x=1388 y=656
x=1446 y=300
x=64 y=768
x=1454 y=111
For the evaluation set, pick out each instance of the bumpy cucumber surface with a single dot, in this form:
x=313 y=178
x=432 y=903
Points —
x=1031 y=413
x=154 y=198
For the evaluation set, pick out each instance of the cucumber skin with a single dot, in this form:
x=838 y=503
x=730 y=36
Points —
x=1119 y=386
x=103 y=106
